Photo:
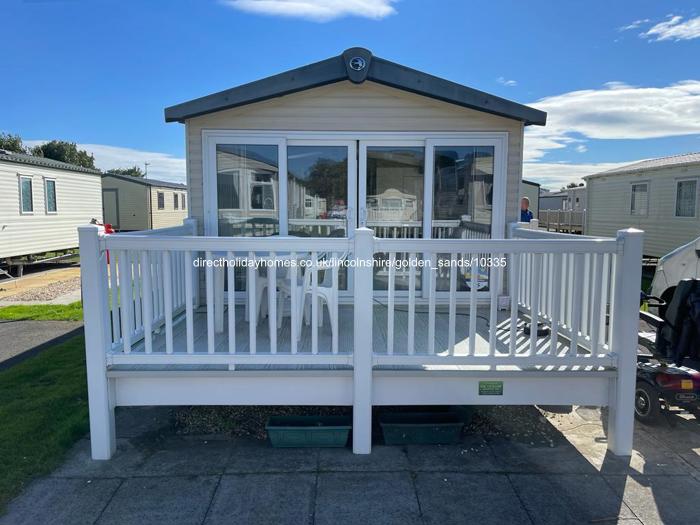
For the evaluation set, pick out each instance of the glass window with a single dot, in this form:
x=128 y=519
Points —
x=175 y=201
x=462 y=203
x=253 y=169
x=395 y=190
x=640 y=199
x=26 y=197
x=317 y=190
x=394 y=204
x=686 y=197
x=50 y=189
x=161 y=200
x=184 y=201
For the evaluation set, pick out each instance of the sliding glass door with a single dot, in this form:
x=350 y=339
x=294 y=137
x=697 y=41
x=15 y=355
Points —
x=392 y=187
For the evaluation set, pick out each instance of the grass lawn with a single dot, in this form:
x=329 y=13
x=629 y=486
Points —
x=43 y=312
x=43 y=411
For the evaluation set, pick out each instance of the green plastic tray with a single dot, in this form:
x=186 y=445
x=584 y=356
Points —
x=308 y=431
x=421 y=428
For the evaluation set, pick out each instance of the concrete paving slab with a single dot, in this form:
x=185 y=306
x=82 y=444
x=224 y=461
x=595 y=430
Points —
x=569 y=498
x=180 y=457
x=150 y=501
x=659 y=499
x=473 y=454
x=519 y=457
x=255 y=457
x=359 y=498
x=263 y=499
x=457 y=498
x=382 y=458
x=51 y=501
x=19 y=337
x=127 y=461
x=132 y=422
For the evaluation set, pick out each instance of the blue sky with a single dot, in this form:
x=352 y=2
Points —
x=619 y=79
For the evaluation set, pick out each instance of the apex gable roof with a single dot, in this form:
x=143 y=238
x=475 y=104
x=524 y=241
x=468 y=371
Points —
x=356 y=65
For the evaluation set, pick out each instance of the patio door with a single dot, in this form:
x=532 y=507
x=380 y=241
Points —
x=392 y=199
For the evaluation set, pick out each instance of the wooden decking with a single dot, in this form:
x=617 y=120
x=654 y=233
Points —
x=345 y=335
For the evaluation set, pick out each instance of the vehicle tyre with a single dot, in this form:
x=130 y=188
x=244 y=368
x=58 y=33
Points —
x=647 y=407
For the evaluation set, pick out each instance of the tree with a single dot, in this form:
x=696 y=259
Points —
x=65 y=152
x=134 y=171
x=12 y=143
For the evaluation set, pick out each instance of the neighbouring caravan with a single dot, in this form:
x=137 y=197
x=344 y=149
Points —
x=659 y=196
x=136 y=203
x=42 y=203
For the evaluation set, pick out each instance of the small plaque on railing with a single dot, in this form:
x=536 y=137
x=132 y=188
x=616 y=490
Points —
x=490 y=388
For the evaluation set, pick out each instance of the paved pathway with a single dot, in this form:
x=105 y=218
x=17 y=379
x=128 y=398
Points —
x=19 y=339
x=158 y=477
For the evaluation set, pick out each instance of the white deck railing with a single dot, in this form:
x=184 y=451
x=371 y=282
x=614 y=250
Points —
x=143 y=307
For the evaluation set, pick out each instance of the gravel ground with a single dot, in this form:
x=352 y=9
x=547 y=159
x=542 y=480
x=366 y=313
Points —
x=47 y=293
x=524 y=424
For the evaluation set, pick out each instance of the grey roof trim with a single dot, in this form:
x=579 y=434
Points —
x=336 y=69
x=643 y=166
x=41 y=162
x=530 y=182
x=147 y=182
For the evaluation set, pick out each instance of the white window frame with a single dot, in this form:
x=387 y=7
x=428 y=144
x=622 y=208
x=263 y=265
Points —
x=675 y=198
x=211 y=139
x=46 y=196
x=31 y=182
x=251 y=184
x=632 y=185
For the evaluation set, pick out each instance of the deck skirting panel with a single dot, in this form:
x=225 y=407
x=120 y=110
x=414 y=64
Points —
x=335 y=388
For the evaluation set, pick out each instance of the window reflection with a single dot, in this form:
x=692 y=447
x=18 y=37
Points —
x=247 y=181
x=317 y=190
x=394 y=204
x=462 y=203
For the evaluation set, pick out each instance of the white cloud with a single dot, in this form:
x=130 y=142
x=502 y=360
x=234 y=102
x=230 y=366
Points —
x=634 y=25
x=554 y=175
x=316 y=10
x=617 y=111
x=505 y=82
x=161 y=166
x=581 y=148
x=674 y=28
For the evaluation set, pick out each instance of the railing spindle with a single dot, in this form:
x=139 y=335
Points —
x=432 y=283
x=453 y=305
x=147 y=303
x=297 y=303
x=272 y=302
x=556 y=303
x=114 y=298
x=473 y=313
x=535 y=306
x=168 y=300
x=390 y=306
x=597 y=264
x=189 y=300
x=252 y=307
x=411 y=303
x=514 y=302
x=126 y=300
x=230 y=269
x=314 y=304
x=209 y=278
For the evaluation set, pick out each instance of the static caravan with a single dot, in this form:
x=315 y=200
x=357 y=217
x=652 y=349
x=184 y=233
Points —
x=42 y=203
x=353 y=240
x=660 y=196
x=136 y=203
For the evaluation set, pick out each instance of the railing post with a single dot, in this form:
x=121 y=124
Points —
x=362 y=347
x=93 y=273
x=625 y=326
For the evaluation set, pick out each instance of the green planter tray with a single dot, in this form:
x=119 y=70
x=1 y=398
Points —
x=308 y=431
x=421 y=428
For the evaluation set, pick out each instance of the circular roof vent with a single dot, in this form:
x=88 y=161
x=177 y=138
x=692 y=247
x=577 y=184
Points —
x=358 y=63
